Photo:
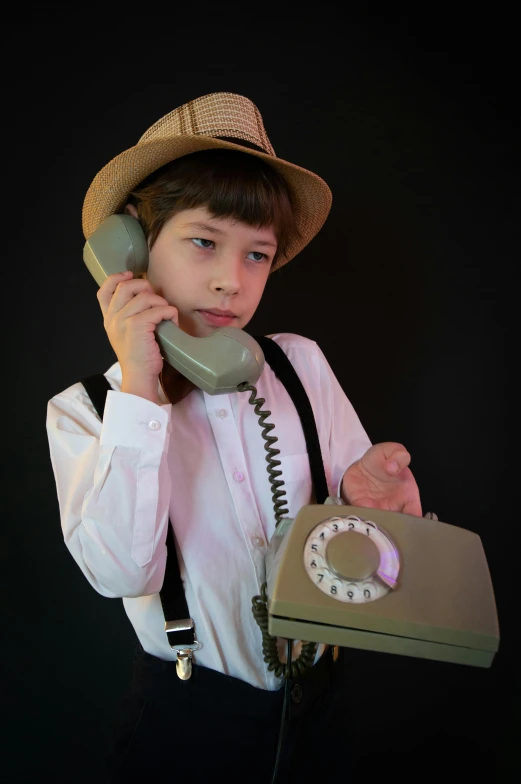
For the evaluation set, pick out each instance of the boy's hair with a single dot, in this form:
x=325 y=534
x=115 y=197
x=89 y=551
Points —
x=229 y=183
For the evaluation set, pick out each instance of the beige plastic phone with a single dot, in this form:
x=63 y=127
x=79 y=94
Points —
x=383 y=581
x=216 y=364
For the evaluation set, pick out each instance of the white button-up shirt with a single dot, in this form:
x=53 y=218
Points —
x=201 y=463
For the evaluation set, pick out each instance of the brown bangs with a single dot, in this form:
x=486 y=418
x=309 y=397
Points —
x=229 y=183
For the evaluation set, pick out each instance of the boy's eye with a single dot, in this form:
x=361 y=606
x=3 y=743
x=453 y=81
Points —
x=260 y=256
x=201 y=243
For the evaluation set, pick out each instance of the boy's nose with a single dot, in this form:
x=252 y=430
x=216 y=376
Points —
x=226 y=278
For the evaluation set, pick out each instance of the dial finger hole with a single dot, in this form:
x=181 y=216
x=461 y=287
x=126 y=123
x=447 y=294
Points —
x=335 y=588
x=322 y=577
x=352 y=592
x=335 y=525
x=317 y=546
x=315 y=561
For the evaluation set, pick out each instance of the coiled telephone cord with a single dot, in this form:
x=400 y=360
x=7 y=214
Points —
x=290 y=669
x=260 y=603
x=279 y=506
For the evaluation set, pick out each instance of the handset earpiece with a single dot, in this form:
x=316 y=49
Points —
x=118 y=244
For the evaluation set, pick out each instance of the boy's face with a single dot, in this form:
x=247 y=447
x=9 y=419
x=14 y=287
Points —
x=213 y=270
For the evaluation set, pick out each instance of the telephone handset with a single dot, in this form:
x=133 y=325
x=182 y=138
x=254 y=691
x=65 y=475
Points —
x=217 y=364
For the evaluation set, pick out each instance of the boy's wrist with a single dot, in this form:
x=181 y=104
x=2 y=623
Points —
x=141 y=387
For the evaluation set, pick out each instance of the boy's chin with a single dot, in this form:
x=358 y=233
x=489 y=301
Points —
x=199 y=330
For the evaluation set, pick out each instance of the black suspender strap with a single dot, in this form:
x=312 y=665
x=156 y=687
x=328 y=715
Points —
x=286 y=373
x=97 y=387
x=179 y=626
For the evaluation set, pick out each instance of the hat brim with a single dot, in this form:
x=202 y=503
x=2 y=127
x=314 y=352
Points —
x=112 y=185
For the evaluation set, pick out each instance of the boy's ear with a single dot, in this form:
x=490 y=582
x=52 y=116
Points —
x=130 y=210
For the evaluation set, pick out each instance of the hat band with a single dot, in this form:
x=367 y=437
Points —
x=243 y=143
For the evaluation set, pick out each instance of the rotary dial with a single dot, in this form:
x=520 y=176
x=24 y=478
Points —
x=351 y=559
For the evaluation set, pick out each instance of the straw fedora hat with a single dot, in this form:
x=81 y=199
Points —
x=218 y=120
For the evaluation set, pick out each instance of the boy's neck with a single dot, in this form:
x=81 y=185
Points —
x=175 y=386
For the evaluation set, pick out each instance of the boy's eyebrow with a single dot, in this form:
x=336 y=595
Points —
x=204 y=227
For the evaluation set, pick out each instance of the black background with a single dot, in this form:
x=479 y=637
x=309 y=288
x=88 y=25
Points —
x=408 y=289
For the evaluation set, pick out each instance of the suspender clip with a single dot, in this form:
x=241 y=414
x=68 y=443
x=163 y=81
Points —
x=184 y=664
x=184 y=649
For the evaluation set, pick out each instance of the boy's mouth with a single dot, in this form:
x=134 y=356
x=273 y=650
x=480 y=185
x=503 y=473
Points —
x=218 y=318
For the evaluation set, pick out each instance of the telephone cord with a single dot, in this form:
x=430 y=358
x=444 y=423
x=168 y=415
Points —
x=279 y=506
x=283 y=720
x=290 y=669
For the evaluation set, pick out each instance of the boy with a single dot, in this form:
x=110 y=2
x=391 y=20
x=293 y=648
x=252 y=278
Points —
x=220 y=213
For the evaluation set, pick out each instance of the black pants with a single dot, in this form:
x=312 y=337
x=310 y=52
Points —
x=214 y=725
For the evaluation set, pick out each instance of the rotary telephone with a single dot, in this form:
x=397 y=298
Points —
x=383 y=581
x=337 y=574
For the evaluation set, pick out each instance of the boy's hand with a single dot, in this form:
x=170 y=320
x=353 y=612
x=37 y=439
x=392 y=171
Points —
x=131 y=311
x=381 y=479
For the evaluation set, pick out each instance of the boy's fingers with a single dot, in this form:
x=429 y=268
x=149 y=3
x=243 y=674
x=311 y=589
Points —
x=397 y=459
x=157 y=314
x=140 y=302
x=113 y=293
x=108 y=287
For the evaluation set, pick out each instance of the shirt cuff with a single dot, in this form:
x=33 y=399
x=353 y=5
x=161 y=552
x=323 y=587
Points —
x=133 y=421
x=339 y=488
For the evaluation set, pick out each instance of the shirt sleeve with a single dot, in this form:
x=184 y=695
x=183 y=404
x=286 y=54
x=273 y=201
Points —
x=113 y=488
x=348 y=441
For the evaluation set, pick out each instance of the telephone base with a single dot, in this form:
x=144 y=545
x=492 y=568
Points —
x=374 y=641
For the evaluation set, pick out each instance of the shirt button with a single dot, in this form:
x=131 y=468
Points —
x=238 y=476
x=221 y=413
x=296 y=693
x=258 y=541
x=154 y=424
